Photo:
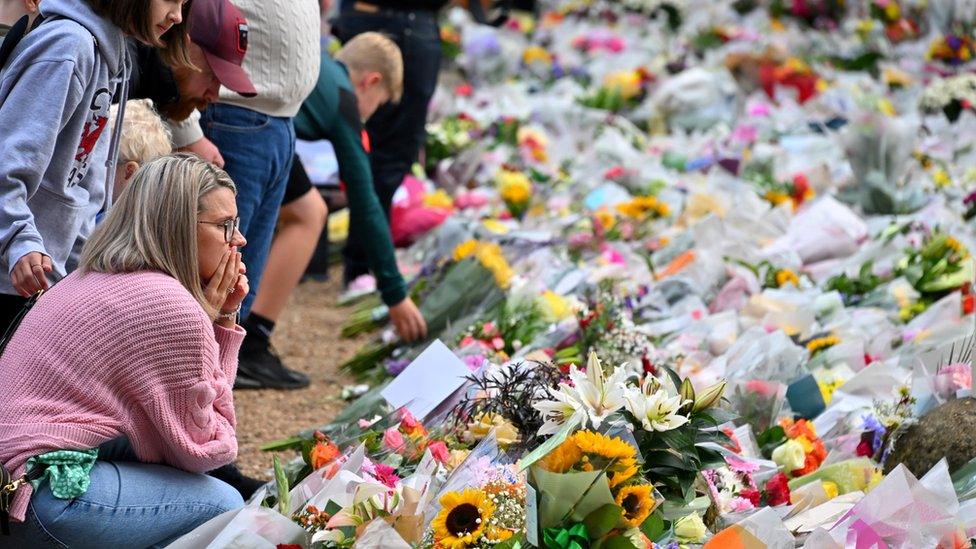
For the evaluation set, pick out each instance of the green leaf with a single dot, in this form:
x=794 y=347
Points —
x=291 y=443
x=615 y=542
x=653 y=527
x=603 y=520
x=284 y=499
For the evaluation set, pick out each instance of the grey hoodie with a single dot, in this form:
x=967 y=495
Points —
x=55 y=93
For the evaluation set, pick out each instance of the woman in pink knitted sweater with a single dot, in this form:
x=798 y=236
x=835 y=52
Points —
x=141 y=343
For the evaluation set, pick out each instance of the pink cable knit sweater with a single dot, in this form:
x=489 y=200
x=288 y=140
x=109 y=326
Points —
x=106 y=355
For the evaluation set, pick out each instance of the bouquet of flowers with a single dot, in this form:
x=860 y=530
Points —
x=952 y=49
x=899 y=23
x=939 y=266
x=802 y=451
x=515 y=189
x=820 y=14
x=474 y=280
x=951 y=96
x=621 y=90
x=483 y=515
x=447 y=137
x=796 y=191
x=591 y=493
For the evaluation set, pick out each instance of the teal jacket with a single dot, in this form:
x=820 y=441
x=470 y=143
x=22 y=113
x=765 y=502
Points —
x=331 y=112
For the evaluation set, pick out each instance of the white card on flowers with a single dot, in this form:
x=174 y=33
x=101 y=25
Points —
x=427 y=381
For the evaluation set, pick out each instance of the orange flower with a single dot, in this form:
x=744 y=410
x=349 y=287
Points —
x=323 y=454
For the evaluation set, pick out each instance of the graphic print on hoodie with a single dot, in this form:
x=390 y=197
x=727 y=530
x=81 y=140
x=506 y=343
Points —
x=55 y=92
x=98 y=119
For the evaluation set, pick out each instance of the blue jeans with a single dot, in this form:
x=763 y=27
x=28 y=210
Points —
x=127 y=505
x=258 y=151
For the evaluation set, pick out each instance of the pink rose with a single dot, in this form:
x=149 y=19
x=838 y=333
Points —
x=439 y=451
x=392 y=439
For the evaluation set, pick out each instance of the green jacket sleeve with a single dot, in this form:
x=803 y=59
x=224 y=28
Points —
x=365 y=212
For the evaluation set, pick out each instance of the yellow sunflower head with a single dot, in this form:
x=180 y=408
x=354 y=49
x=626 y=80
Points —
x=462 y=519
x=563 y=458
x=637 y=501
x=601 y=451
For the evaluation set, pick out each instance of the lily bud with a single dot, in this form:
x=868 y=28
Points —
x=687 y=393
x=709 y=397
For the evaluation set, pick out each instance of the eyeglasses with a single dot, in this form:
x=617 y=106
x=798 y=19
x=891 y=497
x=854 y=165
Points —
x=230 y=227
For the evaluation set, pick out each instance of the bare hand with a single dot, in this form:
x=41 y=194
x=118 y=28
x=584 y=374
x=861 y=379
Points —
x=29 y=274
x=228 y=287
x=205 y=149
x=409 y=323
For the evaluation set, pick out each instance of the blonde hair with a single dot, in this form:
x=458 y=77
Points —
x=144 y=136
x=153 y=226
x=374 y=52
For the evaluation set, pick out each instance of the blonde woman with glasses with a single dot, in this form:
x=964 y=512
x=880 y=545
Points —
x=139 y=343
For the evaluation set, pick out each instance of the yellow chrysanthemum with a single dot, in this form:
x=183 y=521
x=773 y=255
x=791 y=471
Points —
x=627 y=83
x=776 y=198
x=554 y=307
x=438 y=199
x=465 y=249
x=787 y=276
x=536 y=54
x=462 y=519
x=637 y=502
x=822 y=343
x=956 y=246
x=606 y=218
x=830 y=488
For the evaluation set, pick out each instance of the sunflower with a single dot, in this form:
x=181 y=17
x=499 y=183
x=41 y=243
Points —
x=821 y=344
x=563 y=458
x=637 y=501
x=620 y=455
x=462 y=519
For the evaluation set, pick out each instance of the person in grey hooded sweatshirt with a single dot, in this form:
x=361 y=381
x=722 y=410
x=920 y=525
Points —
x=55 y=93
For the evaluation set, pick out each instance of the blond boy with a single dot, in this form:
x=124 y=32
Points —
x=144 y=138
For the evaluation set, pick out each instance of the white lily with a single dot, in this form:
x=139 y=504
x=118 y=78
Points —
x=652 y=406
x=600 y=397
x=591 y=397
x=559 y=407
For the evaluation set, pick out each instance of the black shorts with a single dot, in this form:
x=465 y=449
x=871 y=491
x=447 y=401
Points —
x=298 y=182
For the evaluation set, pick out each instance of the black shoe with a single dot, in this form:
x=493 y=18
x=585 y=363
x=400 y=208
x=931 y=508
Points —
x=258 y=367
x=232 y=475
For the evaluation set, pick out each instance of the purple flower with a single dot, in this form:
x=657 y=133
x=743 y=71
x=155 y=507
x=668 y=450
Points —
x=872 y=424
x=395 y=366
x=970 y=198
x=484 y=45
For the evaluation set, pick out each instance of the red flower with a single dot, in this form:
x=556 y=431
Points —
x=464 y=90
x=864 y=449
x=778 y=490
x=614 y=173
x=968 y=304
x=800 y=187
x=288 y=546
x=649 y=367
x=752 y=495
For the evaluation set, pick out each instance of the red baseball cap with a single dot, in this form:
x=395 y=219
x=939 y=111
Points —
x=220 y=29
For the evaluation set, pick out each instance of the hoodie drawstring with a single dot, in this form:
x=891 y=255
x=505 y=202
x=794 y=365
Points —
x=113 y=147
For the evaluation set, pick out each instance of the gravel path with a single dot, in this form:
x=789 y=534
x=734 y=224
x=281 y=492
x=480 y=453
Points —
x=307 y=339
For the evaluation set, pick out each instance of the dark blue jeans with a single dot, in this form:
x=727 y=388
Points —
x=397 y=131
x=258 y=151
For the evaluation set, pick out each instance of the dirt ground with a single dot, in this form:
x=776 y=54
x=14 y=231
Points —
x=307 y=339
